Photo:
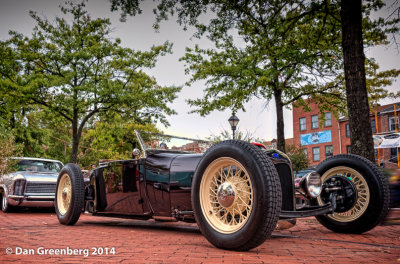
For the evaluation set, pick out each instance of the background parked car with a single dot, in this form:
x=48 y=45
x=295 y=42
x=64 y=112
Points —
x=33 y=183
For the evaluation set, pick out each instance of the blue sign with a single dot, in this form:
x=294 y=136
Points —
x=316 y=138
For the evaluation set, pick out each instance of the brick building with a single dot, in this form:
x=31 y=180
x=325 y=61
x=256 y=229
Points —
x=323 y=137
x=273 y=143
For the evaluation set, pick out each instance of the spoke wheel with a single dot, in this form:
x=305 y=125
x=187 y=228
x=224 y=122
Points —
x=363 y=194
x=70 y=194
x=236 y=195
x=371 y=204
x=64 y=193
x=226 y=211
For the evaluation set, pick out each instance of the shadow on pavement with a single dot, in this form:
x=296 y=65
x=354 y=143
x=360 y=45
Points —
x=147 y=224
x=39 y=210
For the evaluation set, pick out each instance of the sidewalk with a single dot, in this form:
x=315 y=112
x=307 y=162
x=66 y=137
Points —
x=166 y=242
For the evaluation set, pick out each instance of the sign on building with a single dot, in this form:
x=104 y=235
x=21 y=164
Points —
x=316 y=138
x=387 y=141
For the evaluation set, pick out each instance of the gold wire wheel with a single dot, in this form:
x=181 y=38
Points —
x=363 y=194
x=226 y=195
x=64 y=194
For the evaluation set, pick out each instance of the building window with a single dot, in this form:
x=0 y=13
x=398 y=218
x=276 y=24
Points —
x=393 y=154
x=373 y=125
x=328 y=119
x=347 y=130
x=392 y=123
x=328 y=151
x=315 y=152
x=303 y=124
x=348 y=149
x=314 y=121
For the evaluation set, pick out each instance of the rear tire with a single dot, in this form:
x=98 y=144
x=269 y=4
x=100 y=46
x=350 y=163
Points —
x=236 y=195
x=70 y=191
x=373 y=197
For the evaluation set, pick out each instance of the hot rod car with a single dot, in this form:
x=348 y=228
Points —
x=235 y=191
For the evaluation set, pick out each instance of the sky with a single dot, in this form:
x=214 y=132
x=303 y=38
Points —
x=137 y=33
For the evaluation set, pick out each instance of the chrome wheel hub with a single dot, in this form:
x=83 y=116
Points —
x=64 y=193
x=226 y=194
x=361 y=196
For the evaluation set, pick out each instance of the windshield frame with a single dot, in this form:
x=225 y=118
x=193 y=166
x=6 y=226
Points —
x=39 y=166
x=147 y=150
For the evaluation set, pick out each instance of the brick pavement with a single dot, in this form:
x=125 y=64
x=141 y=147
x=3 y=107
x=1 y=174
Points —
x=163 y=242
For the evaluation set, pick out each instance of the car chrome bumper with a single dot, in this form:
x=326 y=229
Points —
x=31 y=200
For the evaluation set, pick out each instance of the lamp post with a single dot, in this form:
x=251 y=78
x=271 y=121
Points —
x=233 y=121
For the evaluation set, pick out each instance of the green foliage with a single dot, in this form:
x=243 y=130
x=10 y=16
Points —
x=8 y=149
x=281 y=55
x=377 y=80
x=110 y=139
x=292 y=47
x=298 y=157
x=128 y=7
x=77 y=72
x=286 y=50
x=274 y=58
x=26 y=125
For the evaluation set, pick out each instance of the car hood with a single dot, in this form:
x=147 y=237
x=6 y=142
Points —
x=37 y=176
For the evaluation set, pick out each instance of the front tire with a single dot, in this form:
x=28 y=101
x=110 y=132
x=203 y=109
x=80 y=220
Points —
x=5 y=206
x=236 y=196
x=70 y=193
x=372 y=192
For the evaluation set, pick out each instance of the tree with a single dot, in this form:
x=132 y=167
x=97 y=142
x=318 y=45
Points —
x=298 y=157
x=128 y=7
x=77 y=72
x=111 y=138
x=357 y=31
x=376 y=81
x=354 y=72
x=269 y=66
x=292 y=49
x=8 y=149
x=274 y=59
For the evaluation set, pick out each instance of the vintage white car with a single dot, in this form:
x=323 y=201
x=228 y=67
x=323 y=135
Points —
x=32 y=184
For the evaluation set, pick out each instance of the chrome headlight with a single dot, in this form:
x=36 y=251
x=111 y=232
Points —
x=311 y=184
x=19 y=187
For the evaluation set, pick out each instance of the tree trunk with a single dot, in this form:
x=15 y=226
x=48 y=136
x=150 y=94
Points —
x=280 y=126
x=354 y=70
x=75 y=140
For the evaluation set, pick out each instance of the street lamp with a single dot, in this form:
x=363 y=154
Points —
x=233 y=121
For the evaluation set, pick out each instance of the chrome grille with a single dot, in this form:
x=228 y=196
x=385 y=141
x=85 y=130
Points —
x=285 y=175
x=33 y=187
